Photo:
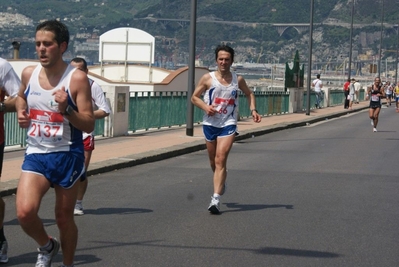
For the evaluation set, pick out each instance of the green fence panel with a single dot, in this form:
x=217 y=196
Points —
x=14 y=135
x=361 y=94
x=157 y=109
x=337 y=98
x=162 y=109
x=99 y=127
x=267 y=103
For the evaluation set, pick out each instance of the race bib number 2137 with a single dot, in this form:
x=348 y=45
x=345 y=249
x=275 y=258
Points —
x=46 y=126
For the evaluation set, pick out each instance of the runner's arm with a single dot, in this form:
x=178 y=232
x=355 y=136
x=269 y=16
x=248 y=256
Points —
x=20 y=104
x=203 y=84
x=83 y=119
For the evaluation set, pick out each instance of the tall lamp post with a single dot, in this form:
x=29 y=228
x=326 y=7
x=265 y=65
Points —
x=382 y=25
x=310 y=58
x=191 y=70
x=351 y=41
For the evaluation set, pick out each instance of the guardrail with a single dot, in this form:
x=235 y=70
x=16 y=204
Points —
x=154 y=110
x=16 y=136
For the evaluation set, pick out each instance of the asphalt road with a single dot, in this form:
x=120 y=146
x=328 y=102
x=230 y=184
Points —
x=322 y=195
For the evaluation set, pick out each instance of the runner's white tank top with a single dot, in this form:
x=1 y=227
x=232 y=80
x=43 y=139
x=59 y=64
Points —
x=225 y=99
x=50 y=131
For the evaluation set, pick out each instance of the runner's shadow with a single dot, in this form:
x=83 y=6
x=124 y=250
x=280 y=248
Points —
x=46 y=222
x=30 y=258
x=249 y=207
x=100 y=211
x=297 y=252
x=120 y=211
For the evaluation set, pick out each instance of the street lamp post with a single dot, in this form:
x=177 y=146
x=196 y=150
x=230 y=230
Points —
x=351 y=41
x=310 y=59
x=191 y=72
x=382 y=25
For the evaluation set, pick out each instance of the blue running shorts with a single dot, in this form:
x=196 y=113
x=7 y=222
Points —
x=60 y=168
x=211 y=133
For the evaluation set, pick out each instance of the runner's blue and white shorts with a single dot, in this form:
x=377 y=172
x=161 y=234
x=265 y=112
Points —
x=59 y=168
x=211 y=133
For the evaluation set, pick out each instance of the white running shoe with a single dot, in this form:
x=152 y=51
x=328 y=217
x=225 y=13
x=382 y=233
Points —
x=3 y=252
x=78 y=210
x=44 y=258
x=374 y=129
x=214 y=206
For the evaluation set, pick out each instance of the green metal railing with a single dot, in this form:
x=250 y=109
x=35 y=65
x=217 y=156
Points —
x=154 y=110
x=149 y=110
x=99 y=127
x=336 y=98
x=14 y=135
x=267 y=103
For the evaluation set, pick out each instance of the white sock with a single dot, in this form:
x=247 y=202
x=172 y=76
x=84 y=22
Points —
x=216 y=195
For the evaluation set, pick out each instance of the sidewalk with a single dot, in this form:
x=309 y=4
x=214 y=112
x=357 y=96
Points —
x=143 y=147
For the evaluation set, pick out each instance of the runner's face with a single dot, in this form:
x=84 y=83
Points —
x=224 y=61
x=47 y=48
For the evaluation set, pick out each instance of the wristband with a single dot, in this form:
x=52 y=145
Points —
x=68 y=110
x=252 y=110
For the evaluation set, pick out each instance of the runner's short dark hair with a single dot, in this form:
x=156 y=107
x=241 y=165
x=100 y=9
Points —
x=226 y=48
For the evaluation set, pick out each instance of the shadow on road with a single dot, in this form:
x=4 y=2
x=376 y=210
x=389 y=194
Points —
x=234 y=207
x=297 y=252
x=121 y=211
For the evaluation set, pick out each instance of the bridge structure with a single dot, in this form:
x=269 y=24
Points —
x=280 y=27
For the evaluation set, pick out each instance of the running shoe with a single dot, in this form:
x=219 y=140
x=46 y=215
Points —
x=44 y=258
x=214 y=206
x=3 y=252
x=78 y=210
x=374 y=129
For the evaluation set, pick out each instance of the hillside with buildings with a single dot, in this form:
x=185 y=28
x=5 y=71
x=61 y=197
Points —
x=250 y=29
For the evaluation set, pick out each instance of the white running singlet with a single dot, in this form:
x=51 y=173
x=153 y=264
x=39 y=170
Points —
x=49 y=130
x=225 y=100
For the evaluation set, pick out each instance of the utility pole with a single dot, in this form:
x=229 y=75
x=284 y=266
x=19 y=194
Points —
x=310 y=58
x=351 y=41
x=382 y=25
x=191 y=70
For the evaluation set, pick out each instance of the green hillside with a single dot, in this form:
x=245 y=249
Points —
x=258 y=43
